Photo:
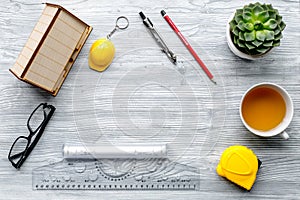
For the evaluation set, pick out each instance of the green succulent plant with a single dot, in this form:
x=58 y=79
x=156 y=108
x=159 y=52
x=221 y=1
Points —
x=256 y=28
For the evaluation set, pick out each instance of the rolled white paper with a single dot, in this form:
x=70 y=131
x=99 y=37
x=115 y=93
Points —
x=114 y=151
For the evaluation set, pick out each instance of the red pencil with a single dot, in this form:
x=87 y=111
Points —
x=188 y=46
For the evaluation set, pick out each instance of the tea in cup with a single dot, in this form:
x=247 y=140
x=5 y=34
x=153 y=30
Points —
x=266 y=109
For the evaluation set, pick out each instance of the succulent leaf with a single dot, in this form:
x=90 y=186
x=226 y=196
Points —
x=278 y=37
x=240 y=44
x=262 y=50
x=258 y=25
x=278 y=19
x=268 y=44
x=263 y=16
x=260 y=35
x=247 y=16
x=235 y=31
x=270 y=7
x=269 y=35
x=282 y=25
x=239 y=11
x=250 y=36
x=241 y=36
x=277 y=30
x=257 y=10
x=234 y=40
x=251 y=5
x=265 y=7
x=270 y=24
x=233 y=24
x=257 y=43
x=249 y=46
x=272 y=14
x=256 y=28
x=241 y=25
x=247 y=9
x=276 y=43
x=238 y=17
x=249 y=26
x=257 y=3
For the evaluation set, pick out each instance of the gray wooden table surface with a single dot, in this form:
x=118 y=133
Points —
x=142 y=97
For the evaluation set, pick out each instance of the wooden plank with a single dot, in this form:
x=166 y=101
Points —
x=60 y=81
x=26 y=52
x=22 y=60
x=36 y=35
x=50 y=10
x=63 y=36
x=32 y=39
x=52 y=54
x=48 y=63
x=71 y=32
x=45 y=19
x=41 y=27
x=72 y=22
x=58 y=46
x=31 y=44
x=37 y=79
x=43 y=71
x=17 y=69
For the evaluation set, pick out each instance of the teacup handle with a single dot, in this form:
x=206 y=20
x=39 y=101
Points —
x=284 y=135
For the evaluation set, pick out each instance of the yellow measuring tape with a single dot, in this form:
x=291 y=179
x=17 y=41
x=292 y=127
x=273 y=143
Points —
x=240 y=165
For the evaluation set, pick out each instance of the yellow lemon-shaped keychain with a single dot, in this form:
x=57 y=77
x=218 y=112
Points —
x=102 y=51
x=240 y=165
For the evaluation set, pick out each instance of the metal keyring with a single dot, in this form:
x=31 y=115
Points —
x=118 y=20
x=118 y=26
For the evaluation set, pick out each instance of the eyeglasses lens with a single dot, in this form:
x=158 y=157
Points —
x=37 y=118
x=19 y=147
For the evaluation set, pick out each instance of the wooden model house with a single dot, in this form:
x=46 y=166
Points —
x=51 y=49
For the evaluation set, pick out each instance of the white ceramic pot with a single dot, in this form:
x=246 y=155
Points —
x=235 y=50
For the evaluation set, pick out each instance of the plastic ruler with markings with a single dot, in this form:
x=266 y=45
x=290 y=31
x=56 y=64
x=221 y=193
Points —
x=116 y=174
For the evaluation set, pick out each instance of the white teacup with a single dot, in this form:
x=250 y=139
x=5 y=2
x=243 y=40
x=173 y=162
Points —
x=266 y=99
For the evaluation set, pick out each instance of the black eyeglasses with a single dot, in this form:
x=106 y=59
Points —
x=36 y=124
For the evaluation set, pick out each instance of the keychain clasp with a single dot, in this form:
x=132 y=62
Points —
x=119 y=25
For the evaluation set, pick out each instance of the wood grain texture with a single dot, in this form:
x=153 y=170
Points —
x=141 y=80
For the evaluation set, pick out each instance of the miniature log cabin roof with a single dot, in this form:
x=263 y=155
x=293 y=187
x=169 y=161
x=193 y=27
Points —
x=51 y=49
